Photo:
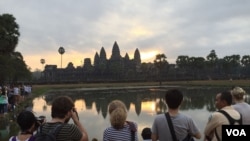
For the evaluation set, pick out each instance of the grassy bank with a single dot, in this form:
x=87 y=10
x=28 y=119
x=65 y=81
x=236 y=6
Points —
x=39 y=89
x=216 y=83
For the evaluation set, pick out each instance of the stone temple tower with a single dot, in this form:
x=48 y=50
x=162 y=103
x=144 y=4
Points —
x=115 y=52
x=137 y=57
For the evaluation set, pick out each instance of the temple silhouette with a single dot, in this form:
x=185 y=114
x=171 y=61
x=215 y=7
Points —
x=117 y=68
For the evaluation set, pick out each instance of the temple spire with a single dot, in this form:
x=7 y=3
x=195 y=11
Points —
x=115 y=52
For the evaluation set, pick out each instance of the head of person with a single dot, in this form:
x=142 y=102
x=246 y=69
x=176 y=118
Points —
x=26 y=121
x=238 y=93
x=223 y=99
x=61 y=107
x=3 y=90
x=173 y=98
x=146 y=133
x=118 y=114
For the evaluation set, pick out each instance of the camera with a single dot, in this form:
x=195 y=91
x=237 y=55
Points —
x=40 y=120
x=74 y=110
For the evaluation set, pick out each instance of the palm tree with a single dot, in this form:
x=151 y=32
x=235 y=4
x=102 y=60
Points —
x=42 y=61
x=160 y=62
x=61 y=50
x=245 y=61
x=182 y=63
x=211 y=63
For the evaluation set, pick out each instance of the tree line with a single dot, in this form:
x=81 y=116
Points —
x=211 y=67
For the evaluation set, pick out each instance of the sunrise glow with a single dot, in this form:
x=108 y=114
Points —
x=80 y=105
x=148 y=106
x=140 y=31
x=148 y=56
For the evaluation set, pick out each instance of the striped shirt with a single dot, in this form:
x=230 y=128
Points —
x=68 y=132
x=124 y=134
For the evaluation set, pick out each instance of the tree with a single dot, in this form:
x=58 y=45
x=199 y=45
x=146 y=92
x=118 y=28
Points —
x=42 y=61
x=212 y=60
x=245 y=61
x=61 y=51
x=20 y=69
x=231 y=65
x=182 y=63
x=12 y=65
x=212 y=57
x=9 y=34
x=160 y=62
x=197 y=64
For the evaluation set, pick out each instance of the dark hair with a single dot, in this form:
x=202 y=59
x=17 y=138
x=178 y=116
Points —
x=227 y=96
x=25 y=120
x=3 y=91
x=146 y=133
x=173 y=98
x=61 y=106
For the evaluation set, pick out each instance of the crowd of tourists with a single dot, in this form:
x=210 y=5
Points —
x=12 y=95
x=170 y=126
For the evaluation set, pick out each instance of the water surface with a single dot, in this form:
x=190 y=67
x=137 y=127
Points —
x=143 y=104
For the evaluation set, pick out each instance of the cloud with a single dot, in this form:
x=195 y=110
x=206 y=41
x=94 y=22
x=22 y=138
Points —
x=187 y=27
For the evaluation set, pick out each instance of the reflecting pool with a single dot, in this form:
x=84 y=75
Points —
x=143 y=104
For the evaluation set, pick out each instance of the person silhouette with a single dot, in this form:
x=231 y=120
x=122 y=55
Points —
x=146 y=134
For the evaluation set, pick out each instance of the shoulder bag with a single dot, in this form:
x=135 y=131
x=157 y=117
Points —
x=170 y=125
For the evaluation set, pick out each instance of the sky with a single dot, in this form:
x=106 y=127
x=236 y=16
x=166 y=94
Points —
x=170 y=27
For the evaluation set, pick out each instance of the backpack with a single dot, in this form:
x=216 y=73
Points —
x=132 y=129
x=47 y=136
x=230 y=119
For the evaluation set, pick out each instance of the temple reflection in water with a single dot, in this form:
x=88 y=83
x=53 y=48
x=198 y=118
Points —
x=143 y=104
x=193 y=98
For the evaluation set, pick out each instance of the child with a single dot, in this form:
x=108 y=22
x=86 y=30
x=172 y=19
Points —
x=146 y=134
x=26 y=121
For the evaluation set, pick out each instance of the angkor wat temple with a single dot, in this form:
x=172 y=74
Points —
x=117 y=68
